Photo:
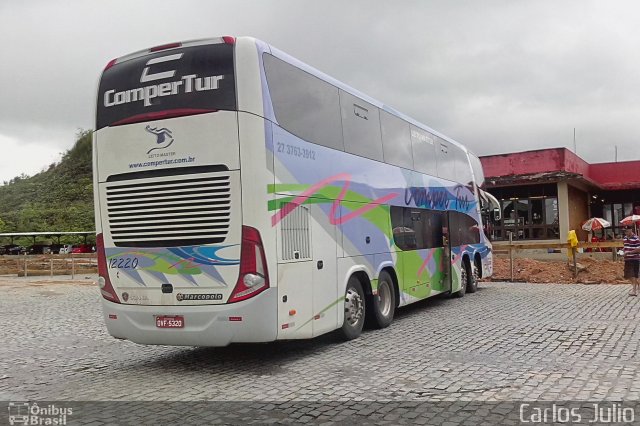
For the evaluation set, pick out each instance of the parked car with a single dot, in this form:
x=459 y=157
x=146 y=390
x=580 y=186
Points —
x=83 y=248
x=5 y=248
x=40 y=249
x=65 y=249
x=15 y=250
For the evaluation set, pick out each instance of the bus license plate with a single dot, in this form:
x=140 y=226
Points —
x=163 y=321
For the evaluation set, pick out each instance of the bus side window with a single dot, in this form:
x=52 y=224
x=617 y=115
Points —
x=396 y=140
x=464 y=173
x=463 y=229
x=404 y=233
x=417 y=229
x=446 y=162
x=433 y=219
x=303 y=104
x=360 y=127
x=424 y=154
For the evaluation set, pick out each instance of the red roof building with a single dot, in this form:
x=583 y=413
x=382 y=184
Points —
x=545 y=193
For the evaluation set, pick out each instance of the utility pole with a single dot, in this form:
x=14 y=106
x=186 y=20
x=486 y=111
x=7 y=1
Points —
x=616 y=156
x=575 y=151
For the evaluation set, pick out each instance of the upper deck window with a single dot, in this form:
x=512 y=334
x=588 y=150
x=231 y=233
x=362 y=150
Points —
x=303 y=104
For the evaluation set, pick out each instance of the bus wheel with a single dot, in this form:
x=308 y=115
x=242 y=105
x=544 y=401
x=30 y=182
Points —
x=383 y=304
x=354 y=308
x=472 y=283
x=464 y=279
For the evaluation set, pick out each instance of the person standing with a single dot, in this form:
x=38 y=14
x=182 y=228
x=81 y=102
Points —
x=631 y=259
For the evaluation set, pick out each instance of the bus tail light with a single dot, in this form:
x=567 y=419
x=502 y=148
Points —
x=106 y=289
x=165 y=47
x=254 y=277
x=162 y=115
x=110 y=64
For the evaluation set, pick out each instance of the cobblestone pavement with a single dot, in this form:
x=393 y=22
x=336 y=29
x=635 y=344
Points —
x=506 y=343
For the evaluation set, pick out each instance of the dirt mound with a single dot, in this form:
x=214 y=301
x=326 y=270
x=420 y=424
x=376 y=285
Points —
x=537 y=271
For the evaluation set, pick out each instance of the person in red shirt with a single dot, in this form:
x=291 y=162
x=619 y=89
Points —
x=631 y=259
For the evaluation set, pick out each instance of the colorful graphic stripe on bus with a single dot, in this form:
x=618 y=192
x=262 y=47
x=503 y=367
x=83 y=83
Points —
x=327 y=192
x=421 y=270
x=183 y=261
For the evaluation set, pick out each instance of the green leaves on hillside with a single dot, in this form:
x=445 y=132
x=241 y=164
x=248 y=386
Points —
x=58 y=199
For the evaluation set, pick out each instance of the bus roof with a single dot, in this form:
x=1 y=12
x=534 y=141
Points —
x=295 y=62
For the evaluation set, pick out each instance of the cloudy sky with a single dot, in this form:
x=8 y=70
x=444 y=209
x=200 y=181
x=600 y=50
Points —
x=497 y=75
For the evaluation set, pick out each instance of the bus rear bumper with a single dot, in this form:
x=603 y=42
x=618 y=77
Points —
x=253 y=320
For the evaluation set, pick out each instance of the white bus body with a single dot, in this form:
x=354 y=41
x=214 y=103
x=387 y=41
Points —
x=227 y=210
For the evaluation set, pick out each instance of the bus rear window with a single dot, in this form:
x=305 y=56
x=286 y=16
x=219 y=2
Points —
x=171 y=82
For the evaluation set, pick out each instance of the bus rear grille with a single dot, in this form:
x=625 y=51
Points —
x=169 y=211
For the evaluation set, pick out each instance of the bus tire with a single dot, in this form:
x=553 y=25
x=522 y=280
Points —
x=354 y=310
x=464 y=279
x=383 y=304
x=472 y=282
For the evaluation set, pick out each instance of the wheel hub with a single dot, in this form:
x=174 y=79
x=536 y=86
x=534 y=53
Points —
x=384 y=298
x=353 y=307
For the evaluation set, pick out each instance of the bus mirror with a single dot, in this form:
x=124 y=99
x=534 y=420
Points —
x=497 y=214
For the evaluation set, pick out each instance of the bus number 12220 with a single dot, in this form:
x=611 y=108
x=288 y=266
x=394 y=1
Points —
x=123 y=263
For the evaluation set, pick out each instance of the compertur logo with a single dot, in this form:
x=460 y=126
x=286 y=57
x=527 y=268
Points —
x=146 y=77
x=164 y=137
x=186 y=84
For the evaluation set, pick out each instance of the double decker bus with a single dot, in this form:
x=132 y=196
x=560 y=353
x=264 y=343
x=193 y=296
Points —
x=244 y=196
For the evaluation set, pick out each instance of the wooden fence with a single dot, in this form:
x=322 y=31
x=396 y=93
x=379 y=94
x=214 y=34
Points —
x=48 y=264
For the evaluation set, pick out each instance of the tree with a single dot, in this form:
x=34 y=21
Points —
x=60 y=198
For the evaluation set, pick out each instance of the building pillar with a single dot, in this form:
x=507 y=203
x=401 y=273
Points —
x=563 y=210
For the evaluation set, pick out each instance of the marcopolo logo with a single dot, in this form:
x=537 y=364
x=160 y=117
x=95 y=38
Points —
x=185 y=84
x=212 y=296
x=24 y=413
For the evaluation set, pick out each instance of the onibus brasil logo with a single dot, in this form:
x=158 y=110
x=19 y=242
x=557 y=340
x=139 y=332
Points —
x=24 y=413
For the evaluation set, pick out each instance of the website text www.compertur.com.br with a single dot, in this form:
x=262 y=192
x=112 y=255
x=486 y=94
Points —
x=165 y=162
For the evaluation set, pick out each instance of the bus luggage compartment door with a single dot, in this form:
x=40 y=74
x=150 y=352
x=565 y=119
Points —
x=325 y=284
x=295 y=303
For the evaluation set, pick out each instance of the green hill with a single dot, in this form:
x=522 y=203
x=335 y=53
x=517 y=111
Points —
x=58 y=199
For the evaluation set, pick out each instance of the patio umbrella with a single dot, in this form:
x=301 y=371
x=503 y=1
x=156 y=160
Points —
x=595 y=223
x=630 y=220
